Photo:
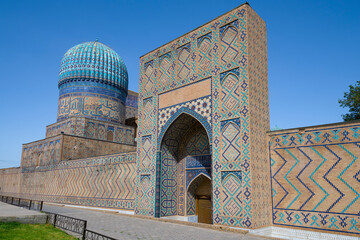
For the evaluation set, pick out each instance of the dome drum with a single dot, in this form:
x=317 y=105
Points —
x=93 y=83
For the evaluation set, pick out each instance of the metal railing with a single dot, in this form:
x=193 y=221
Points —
x=90 y=235
x=75 y=225
x=21 y=202
x=71 y=224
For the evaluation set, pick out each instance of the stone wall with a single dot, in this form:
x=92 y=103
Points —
x=10 y=181
x=315 y=177
x=107 y=181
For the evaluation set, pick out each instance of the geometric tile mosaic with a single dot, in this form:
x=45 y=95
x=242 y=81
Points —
x=314 y=178
x=201 y=106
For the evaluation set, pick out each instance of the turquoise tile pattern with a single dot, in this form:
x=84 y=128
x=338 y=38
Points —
x=315 y=178
x=217 y=51
x=93 y=83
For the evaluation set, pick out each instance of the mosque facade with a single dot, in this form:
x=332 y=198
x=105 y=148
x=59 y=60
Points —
x=195 y=143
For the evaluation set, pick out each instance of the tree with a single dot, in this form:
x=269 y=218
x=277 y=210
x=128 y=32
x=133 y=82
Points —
x=352 y=101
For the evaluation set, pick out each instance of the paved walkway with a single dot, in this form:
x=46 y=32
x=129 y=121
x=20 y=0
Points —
x=10 y=213
x=127 y=227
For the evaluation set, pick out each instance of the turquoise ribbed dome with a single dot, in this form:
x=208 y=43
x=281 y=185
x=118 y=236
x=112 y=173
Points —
x=93 y=62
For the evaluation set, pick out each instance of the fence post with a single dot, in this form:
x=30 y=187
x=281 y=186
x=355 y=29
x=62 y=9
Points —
x=84 y=230
x=30 y=205
x=55 y=219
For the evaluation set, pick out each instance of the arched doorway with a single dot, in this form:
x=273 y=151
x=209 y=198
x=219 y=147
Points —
x=199 y=199
x=185 y=156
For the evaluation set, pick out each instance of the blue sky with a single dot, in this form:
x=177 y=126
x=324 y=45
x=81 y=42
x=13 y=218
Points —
x=313 y=54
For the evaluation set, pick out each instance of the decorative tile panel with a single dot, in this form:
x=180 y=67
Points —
x=202 y=106
x=314 y=176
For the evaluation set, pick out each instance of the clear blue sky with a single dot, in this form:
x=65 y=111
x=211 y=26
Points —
x=313 y=53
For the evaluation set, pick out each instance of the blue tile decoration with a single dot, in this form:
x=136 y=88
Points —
x=93 y=83
x=314 y=178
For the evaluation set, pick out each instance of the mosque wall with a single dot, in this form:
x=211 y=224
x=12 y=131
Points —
x=230 y=53
x=53 y=150
x=43 y=152
x=92 y=105
x=106 y=181
x=74 y=147
x=95 y=129
x=110 y=132
x=131 y=104
x=259 y=118
x=315 y=177
x=203 y=114
x=72 y=126
x=10 y=181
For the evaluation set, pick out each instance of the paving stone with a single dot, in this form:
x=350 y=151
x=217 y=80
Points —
x=10 y=213
x=131 y=228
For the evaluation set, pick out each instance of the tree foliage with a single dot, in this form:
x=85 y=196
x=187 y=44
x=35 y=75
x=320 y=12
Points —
x=351 y=100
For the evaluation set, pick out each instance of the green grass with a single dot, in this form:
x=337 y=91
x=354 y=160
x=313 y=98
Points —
x=18 y=231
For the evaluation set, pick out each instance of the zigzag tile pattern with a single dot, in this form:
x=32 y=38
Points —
x=101 y=181
x=314 y=178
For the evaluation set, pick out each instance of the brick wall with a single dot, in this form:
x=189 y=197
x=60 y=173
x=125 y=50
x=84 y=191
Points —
x=10 y=181
x=106 y=181
x=79 y=147
x=315 y=177
x=53 y=150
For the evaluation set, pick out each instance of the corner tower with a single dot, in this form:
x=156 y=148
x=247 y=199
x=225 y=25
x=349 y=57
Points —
x=93 y=83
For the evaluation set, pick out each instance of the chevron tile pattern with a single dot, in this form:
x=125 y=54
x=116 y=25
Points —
x=101 y=181
x=315 y=178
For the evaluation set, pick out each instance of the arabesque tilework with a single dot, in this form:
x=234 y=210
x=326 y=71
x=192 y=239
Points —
x=185 y=137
